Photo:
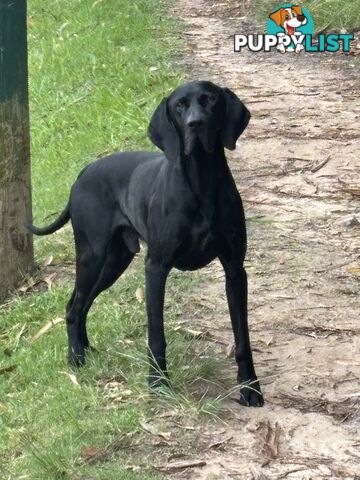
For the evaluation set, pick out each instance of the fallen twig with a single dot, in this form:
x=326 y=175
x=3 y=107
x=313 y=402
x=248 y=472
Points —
x=8 y=369
x=46 y=328
x=280 y=94
x=320 y=165
x=169 y=467
x=294 y=470
x=220 y=442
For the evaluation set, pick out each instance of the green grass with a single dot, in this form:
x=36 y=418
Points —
x=336 y=14
x=48 y=420
x=97 y=71
x=328 y=15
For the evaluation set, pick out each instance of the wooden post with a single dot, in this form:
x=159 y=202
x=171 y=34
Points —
x=16 y=247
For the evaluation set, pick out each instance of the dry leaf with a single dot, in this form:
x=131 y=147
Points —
x=139 y=295
x=72 y=378
x=102 y=454
x=268 y=440
x=190 y=332
x=48 y=261
x=89 y=453
x=152 y=429
x=28 y=286
x=49 y=280
x=133 y=468
x=19 y=335
x=354 y=270
x=230 y=351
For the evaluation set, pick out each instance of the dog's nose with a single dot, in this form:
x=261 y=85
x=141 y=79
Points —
x=301 y=18
x=195 y=121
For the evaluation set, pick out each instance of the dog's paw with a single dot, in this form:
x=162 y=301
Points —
x=76 y=359
x=250 y=394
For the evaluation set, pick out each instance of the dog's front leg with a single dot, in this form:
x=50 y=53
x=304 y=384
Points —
x=236 y=292
x=156 y=275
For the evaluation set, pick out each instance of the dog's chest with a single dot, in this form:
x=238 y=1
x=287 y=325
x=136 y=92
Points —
x=197 y=243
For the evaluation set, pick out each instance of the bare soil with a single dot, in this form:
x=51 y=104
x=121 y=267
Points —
x=297 y=167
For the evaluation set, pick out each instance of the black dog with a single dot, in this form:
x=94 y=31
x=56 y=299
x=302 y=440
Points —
x=184 y=204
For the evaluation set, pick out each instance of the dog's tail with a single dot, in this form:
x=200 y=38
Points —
x=59 y=222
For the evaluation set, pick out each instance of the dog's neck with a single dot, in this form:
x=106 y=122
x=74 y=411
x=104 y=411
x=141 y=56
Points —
x=203 y=172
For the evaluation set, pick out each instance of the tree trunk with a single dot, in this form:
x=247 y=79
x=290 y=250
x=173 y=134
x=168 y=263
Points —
x=16 y=248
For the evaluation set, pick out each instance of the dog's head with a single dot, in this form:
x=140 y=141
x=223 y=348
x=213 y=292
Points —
x=198 y=114
x=289 y=18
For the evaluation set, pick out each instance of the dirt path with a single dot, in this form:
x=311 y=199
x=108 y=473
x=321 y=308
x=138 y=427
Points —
x=297 y=168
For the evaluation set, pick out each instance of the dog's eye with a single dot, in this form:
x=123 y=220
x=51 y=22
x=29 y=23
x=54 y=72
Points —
x=181 y=103
x=206 y=98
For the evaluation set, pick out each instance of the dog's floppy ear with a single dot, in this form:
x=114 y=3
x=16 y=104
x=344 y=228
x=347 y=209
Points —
x=162 y=132
x=237 y=117
x=277 y=17
x=297 y=9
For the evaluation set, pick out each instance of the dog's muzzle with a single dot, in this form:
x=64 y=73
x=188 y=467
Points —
x=194 y=136
x=197 y=130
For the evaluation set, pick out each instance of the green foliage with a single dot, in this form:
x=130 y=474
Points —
x=97 y=71
x=336 y=14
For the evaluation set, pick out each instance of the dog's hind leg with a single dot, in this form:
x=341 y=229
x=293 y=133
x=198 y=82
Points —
x=97 y=269
x=118 y=258
x=88 y=267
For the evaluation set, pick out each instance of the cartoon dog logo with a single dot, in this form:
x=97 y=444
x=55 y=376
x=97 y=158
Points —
x=289 y=19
